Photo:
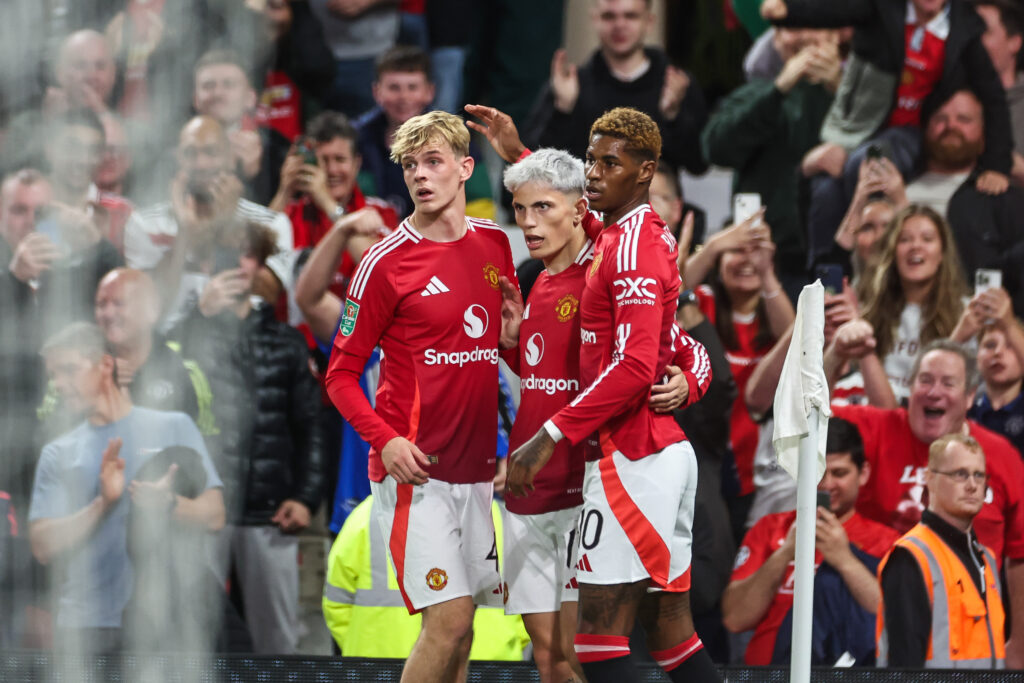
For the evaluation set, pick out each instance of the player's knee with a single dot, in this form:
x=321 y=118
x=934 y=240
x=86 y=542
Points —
x=449 y=624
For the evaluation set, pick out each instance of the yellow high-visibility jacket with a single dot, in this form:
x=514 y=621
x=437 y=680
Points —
x=364 y=609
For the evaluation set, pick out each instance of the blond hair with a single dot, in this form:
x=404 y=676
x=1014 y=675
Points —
x=420 y=131
x=635 y=127
x=883 y=296
x=937 y=450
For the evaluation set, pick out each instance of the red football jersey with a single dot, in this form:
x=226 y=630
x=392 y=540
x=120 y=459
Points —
x=549 y=372
x=743 y=431
x=924 y=59
x=628 y=337
x=435 y=310
x=764 y=538
x=895 y=494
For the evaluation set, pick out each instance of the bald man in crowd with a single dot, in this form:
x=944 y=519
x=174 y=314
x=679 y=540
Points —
x=177 y=241
x=150 y=367
x=84 y=77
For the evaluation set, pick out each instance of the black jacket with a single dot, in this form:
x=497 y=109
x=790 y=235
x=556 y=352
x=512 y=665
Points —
x=266 y=403
x=880 y=39
x=601 y=91
x=989 y=234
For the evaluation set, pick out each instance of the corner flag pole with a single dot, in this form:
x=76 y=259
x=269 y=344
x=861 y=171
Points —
x=801 y=424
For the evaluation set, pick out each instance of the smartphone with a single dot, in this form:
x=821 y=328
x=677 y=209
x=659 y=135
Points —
x=200 y=190
x=877 y=150
x=225 y=258
x=824 y=500
x=986 y=279
x=831 y=276
x=745 y=205
x=47 y=224
x=307 y=152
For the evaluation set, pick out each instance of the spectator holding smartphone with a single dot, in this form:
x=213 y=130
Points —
x=745 y=302
x=319 y=188
x=914 y=297
x=998 y=405
x=175 y=240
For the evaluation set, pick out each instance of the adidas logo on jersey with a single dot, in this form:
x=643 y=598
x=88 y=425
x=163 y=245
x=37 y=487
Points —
x=435 y=286
x=584 y=564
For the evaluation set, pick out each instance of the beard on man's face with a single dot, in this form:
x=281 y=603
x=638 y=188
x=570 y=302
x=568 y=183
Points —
x=953 y=150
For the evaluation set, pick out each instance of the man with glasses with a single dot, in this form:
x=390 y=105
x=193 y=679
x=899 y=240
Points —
x=896 y=442
x=944 y=608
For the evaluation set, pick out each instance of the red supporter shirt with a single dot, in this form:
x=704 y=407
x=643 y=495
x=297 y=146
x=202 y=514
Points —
x=628 y=336
x=310 y=224
x=549 y=371
x=435 y=310
x=743 y=431
x=924 y=56
x=764 y=538
x=895 y=493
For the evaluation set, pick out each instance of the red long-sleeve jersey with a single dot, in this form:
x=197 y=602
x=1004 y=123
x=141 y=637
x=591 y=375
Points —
x=628 y=336
x=435 y=310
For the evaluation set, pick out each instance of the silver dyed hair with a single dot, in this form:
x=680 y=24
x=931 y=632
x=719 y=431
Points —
x=553 y=167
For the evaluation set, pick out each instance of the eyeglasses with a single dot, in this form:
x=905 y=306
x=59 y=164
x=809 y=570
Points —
x=962 y=475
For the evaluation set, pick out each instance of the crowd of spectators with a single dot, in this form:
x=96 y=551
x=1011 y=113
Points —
x=188 y=187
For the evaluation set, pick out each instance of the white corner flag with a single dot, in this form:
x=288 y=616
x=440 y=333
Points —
x=801 y=428
x=802 y=394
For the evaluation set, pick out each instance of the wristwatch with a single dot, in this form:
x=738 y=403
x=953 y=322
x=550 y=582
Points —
x=687 y=297
x=338 y=212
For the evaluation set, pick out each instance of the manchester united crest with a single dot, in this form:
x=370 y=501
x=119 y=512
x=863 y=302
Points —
x=566 y=308
x=491 y=275
x=437 y=579
x=596 y=264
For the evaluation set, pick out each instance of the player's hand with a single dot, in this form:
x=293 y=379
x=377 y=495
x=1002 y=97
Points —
x=527 y=461
x=774 y=10
x=830 y=538
x=405 y=462
x=111 y=473
x=992 y=182
x=854 y=339
x=248 y=150
x=33 y=256
x=155 y=495
x=683 y=244
x=223 y=291
x=292 y=517
x=672 y=394
x=511 y=313
x=565 y=83
x=499 y=129
x=677 y=82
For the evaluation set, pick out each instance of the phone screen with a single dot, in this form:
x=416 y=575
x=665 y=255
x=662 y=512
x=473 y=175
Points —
x=824 y=500
x=831 y=276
